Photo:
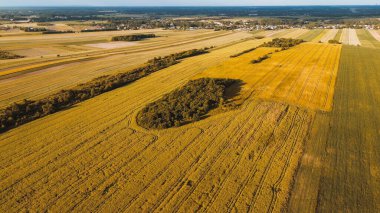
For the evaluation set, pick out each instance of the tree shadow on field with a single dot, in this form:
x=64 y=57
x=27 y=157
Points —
x=66 y=108
x=233 y=91
x=231 y=100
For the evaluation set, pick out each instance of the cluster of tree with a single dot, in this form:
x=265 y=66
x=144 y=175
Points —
x=57 y=32
x=186 y=104
x=260 y=59
x=282 y=43
x=28 y=110
x=135 y=37
x=333 y=41
x=33 y=29
x=243 y=52
x=8 y=55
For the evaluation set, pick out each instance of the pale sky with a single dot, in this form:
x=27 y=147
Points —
x=5 y=3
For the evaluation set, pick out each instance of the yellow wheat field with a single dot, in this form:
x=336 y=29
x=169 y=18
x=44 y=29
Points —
x=93 y=157
x=304 y=75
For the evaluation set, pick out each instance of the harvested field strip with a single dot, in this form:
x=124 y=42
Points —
x=375 y=34
x=270 y=33
x=93 y=157
x=349 y=37
x=367 y=39
x=311 y=35
x=341 y=158
x=293 y=34
x=68 y=39
x=354 y=40
x=330 y=35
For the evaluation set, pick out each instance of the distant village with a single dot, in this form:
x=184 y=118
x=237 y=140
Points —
x=190 y=23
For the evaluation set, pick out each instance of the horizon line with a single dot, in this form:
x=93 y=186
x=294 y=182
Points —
x=295 y=5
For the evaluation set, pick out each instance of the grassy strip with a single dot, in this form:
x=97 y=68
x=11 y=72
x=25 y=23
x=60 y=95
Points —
x=366 y=39
x=185 y=105
x=20 y=113
x=338 y=35
x=312 y=34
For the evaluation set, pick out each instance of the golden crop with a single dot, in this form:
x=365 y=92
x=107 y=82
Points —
x=93 y=157
x=303 y=75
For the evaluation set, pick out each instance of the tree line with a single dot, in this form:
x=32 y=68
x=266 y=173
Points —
x=184 y=105
x=260 y=59
x=98 y=30
x=135 y=37
x=243 y=52
x=57 y=32
x=33 y=29
x=7 y=55
x=19 y=113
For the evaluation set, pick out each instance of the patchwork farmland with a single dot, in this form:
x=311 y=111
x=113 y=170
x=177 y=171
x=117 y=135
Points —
x=298 y=133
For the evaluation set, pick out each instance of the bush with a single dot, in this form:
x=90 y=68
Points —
x=186 y=104
x=260 y=59
x=136 y=37
x=19 y=113
x=333 y=41
x=283 y=43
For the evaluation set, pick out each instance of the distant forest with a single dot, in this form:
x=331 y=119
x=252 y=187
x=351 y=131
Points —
x=106 y=13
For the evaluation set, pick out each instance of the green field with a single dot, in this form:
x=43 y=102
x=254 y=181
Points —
x=338 y=35
x=312 y=34
x=340 y=169
x=367 y=39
